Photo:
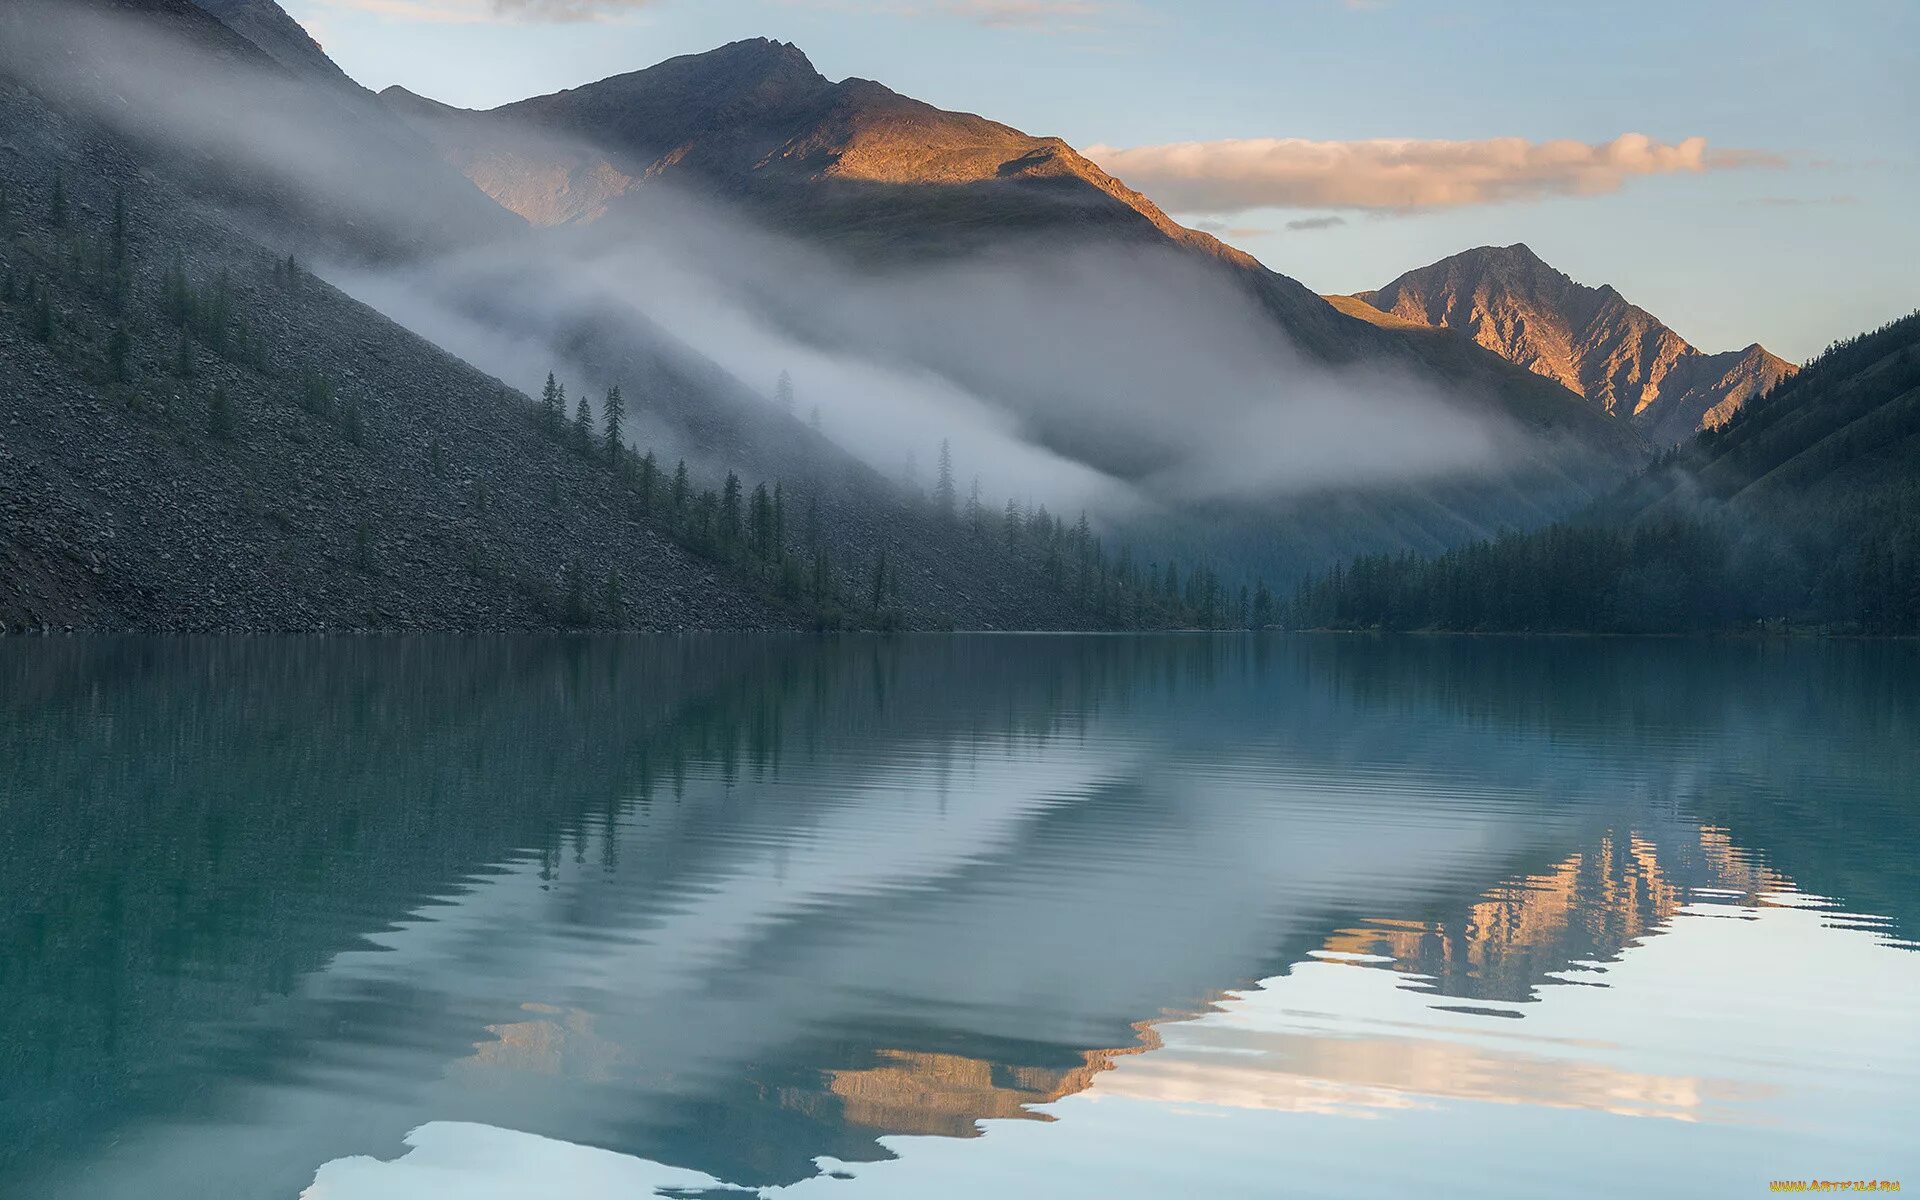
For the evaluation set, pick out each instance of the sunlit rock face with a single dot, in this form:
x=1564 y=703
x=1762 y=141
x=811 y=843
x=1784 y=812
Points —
x=1590 y=340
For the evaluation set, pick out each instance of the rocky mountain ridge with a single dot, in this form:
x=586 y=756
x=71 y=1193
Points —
x=1589 y=339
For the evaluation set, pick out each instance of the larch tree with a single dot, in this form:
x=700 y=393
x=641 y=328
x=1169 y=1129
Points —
x=583 y=427
x=943 y=489
x=612 y=414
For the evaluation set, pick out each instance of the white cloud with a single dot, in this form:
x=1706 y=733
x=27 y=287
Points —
x=1026 y=14
x=1400 y=174
x=470 y=12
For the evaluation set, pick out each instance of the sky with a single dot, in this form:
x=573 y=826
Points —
x=1746 y=170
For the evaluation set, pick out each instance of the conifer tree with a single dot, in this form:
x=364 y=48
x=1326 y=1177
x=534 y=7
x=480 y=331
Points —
x=943 y=489
x=436 y=458
x=1012 y=522
x=760 y=523
x=119 y=347
x=574 y=607
x=779 y=520
x=57 y=205
x=976 y=517
x=649 y=480
x=681 y=486
x=783 y=393
x=183 y=360
x=553 y=404
x=616 y=600
x=350 y=419
x=219 y=414
x=582 y=427
x=176 y=298
x=730 y=510
x=316 y=394
x=612 y=414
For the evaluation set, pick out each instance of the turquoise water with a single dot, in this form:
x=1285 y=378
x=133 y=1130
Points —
x=360 y=919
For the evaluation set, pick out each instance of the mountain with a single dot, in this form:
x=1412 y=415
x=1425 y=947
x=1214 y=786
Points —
x=850 y=163
x=199 y=434
x=890 y=185
x=269 y=28
x=1802 y=509
x=1591 y=340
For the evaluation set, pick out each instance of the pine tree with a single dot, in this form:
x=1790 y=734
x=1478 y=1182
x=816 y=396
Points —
x=219 y=414
x=783 y=393
x=760 y=523
x=436 y=459
x=582 y=427
x=57 y=206
x=616 y=600
x=649 y=480
x=976 y=517
x=1012 y=522
x=574 y=608
x=553 y=405
x=681 y=486
x=119 y=347
x=183 y=360
x=176 y=297
x=943 y=489
x=350 y=419
x=730 y=510
x=316 y=394
x=612 y=414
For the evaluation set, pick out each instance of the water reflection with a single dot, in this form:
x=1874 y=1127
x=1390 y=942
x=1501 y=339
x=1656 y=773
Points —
x=733 y=908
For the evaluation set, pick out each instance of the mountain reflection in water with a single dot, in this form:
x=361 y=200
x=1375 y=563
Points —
x=349 y=916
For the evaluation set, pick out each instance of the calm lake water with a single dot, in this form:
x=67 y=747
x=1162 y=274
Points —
x=956 y=917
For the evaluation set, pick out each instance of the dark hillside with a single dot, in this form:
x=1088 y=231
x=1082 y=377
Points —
x=1804 y=510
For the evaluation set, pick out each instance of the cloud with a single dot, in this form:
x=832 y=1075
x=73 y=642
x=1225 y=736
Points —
x=1043 y=15
x=1307 y=223
x=1033 y=16
x=1401 y=174
x=1802 y=201
x=1231 y=232
x=473 y=12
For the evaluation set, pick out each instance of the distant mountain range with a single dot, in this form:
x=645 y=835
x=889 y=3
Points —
x=1591 y=340
x=1803 y=509
x=882 y=179
x=195 y=303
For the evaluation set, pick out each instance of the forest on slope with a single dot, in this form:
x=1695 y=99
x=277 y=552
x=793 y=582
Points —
x=200 y=434
x=1802 y=512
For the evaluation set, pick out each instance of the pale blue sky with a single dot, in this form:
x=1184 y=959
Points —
x=1823 y=244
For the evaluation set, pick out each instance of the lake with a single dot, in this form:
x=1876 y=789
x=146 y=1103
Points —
x=1231 y=916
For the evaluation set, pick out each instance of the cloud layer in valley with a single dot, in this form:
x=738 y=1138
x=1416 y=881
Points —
x=1108 y=376
x=1400 y=174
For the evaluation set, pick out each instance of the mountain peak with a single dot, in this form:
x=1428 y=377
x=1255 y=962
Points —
x=1589 y=339
x=276 y=34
